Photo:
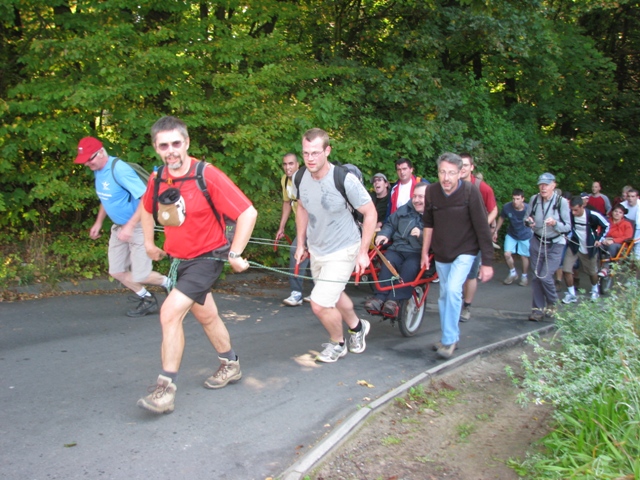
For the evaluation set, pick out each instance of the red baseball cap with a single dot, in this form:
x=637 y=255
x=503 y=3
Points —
x=87 y=147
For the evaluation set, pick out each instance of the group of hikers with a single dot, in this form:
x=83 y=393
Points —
x=451 y=223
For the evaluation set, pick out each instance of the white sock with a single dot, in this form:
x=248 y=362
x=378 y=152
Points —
x=165 y=282
x=524 y=275
x=594 y=288
x=513 y=271
x=572 y=290
x=143 y=293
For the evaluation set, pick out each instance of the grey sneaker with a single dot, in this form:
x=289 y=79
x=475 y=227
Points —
x=568 y=298
x=357 y=342
x=524 y=281
x=228 y=372
x=146 y=305
x=294 y=299
x=512 y=277
x=162 y=396
x=446 y=351
x=331 y=353
x=465 y=315
x=438 y=345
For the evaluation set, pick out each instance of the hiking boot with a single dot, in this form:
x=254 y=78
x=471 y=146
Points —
x=524 y=281
x=465 y=315
x=332 y=352
x=594 y=296
x=550 y=312
x=373 y=305
x=536 y=315
x=568 y=298
x=446 y=351
x=357 y=342
x=162 y=396
x=228 y=372
x=390 y=308
x=147 y=304
x=512 y=277
x=294 y=299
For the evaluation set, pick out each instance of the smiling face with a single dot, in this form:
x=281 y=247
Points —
x=418 y=197
x=289 y=165
x=172 y=148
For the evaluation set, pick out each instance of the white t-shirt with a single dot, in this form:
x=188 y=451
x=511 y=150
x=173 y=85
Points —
x=404 y=194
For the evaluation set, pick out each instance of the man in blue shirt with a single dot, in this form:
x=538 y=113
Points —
x=119 y=199
x=517 y=238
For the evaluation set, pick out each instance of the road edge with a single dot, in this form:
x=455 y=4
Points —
x=324 y=447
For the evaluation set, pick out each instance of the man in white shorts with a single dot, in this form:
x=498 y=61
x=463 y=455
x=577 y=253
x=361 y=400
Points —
x=326 y=226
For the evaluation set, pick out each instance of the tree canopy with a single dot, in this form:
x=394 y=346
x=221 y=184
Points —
x=524 y=85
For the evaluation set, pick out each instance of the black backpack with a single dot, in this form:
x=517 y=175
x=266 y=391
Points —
x=339 y=174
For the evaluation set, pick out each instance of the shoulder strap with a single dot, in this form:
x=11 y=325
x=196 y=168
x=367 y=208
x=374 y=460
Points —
x=113 y=175
x=339 y=174
x=297 y=179
x=202 y=185
x=534 y=202
x=156 y=190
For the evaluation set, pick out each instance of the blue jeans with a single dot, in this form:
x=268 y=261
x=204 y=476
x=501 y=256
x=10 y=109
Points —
x=452 y=277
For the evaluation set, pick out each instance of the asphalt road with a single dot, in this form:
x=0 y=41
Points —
x=73 y=367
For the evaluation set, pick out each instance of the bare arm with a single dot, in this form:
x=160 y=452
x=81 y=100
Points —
x=94 y=231
x=368 y=210
x=426 y=245
x=244 y=228
x=286 y=211
x=153 y=251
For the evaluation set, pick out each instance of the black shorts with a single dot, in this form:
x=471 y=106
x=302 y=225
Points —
x=197 y=276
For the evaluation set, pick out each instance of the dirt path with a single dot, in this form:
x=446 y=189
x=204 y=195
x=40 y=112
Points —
x=463 y=425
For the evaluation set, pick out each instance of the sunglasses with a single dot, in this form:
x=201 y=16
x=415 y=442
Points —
x=175 y=144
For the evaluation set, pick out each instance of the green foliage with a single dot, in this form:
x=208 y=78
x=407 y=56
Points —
x=591 y=376
x=524 y=86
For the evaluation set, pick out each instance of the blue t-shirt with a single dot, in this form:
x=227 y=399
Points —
x=119 y=203
x=517 y=229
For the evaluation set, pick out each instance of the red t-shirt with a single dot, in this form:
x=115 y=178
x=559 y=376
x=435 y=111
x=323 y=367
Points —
x=200 y=232
x=488 y=197
x=598 y=204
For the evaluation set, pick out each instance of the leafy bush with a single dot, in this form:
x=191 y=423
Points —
x=591 y=374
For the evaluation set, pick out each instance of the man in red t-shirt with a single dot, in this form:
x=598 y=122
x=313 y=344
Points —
x=489 y=200
x=598 y=201
x=195 y=239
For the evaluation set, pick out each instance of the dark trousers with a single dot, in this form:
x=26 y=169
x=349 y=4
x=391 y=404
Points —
x=408 y=265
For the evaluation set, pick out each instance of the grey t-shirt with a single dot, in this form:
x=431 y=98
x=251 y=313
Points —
x=331 y=226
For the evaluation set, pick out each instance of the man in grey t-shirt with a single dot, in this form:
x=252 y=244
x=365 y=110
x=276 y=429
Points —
x=326 y=227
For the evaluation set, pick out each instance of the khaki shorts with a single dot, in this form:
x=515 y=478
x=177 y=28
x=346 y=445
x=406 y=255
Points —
x=331 y=274
x=131 y=255
x=588 y=265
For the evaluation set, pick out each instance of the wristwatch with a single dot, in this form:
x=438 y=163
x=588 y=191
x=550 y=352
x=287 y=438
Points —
x=234 y=255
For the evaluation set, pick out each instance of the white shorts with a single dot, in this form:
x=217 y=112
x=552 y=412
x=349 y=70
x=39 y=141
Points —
x=331 y=273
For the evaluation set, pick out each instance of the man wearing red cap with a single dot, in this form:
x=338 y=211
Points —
x=119 y=189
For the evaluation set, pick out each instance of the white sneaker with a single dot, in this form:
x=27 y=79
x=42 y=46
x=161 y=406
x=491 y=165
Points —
x=568 y=298
x=510 y=278
x=357 y=342
x=594 y=296
x=331 y=353
x=294 y=299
